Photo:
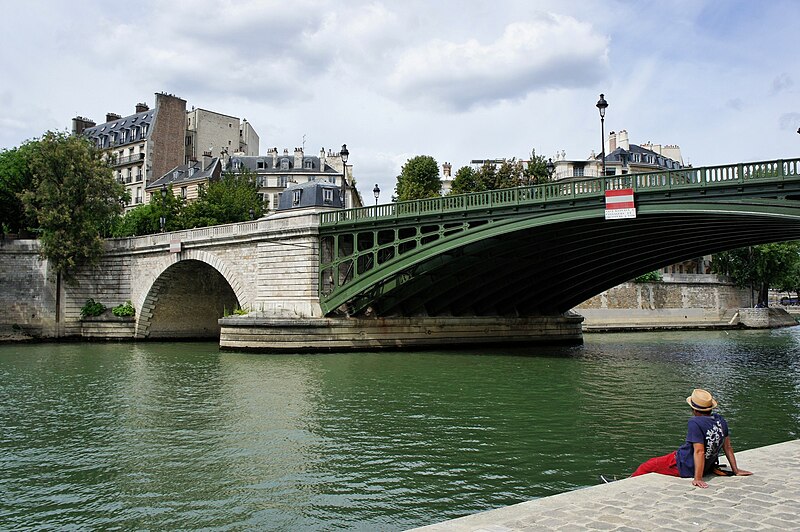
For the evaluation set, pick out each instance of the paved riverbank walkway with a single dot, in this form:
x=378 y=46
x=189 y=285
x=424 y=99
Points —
x=768 y=500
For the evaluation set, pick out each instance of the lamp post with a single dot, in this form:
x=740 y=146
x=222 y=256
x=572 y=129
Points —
x=377 y=192
x=162 y=220
x=602 y=104
x=344 y=154
x=252 y=214
x=550 y=169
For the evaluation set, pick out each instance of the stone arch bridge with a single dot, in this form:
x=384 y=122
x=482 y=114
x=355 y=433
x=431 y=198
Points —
x=500 y=266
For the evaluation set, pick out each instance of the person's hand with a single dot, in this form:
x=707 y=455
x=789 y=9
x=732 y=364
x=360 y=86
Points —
x=742 y=473
x=699 y=483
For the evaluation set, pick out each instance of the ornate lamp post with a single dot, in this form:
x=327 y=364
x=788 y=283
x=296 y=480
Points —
x=551 y=168
x=377 y=192
x=162 y=220
x=602 y=104
x=344 y=154
x=252 y=214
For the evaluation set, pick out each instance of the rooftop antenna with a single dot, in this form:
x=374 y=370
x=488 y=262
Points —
x=304 y=142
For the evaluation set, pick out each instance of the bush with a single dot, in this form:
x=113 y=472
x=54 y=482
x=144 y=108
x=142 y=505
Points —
x=650 y=277
x=92 y=308
x=123 y=311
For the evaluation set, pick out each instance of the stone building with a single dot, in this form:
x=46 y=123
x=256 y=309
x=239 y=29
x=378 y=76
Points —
x=188 y=179
x=208 y=131
x=151 y=143
x=275 y=171
x=622 y=158
x=142 y=145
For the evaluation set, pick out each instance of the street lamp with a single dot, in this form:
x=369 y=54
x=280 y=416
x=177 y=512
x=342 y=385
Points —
x=377 y=192
x=550 y=169
x=344 y=154
x=602 y=104
x=162 y=220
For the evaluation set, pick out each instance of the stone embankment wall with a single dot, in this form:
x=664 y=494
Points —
x=27 y=290
x=677 y=302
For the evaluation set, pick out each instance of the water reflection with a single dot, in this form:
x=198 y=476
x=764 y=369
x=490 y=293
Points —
x=182 y=436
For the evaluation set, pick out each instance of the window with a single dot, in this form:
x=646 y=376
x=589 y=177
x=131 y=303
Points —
x=296 y=197
x=176 y=174
x=200 y=188
x=577 y=171
x=308 y=165
x=183 y=192
x=327 y=195
x=188 y=140
x=237 y=164
x=191 y=171
x=284 y=164
x=260 y=165
x=282 y=179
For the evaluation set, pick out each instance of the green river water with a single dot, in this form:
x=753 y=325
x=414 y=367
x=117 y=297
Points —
x=170 y=436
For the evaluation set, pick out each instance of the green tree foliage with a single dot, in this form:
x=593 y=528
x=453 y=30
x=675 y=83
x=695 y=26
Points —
x=466 y=180
x=419 y=179
x=507 y=174
x=758 y=267
x=73 y=198
x=226 y=200
x=15 y=178
x=536 y=172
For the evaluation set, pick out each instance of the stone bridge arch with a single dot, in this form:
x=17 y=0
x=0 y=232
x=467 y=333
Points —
x=185 y=293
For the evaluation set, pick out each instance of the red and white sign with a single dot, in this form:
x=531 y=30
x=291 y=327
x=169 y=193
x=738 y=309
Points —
x=619 y=204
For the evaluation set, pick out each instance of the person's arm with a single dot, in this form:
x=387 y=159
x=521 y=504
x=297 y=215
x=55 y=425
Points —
x=699 y=465
x=728 y=448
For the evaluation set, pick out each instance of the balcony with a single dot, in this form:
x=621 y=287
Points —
x=120 y=161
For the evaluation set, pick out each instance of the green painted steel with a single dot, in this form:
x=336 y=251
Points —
x=413 y=256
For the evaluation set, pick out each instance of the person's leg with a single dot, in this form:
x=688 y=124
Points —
x=664 y=465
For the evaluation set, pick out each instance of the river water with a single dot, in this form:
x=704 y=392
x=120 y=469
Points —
x=182 y=436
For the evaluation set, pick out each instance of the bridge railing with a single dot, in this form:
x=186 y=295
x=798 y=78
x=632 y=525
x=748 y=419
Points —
x=565 y=190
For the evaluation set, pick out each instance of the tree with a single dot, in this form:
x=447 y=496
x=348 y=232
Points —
x=536 y=172
x=15 y=178
x=757 y=267
x=226 y=200
x=73 y=198
x=466 y=180
x=419 y=179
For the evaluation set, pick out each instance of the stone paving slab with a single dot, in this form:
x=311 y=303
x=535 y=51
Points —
x=767 y=500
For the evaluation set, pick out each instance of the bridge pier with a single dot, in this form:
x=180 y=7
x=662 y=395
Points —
x=270 y=334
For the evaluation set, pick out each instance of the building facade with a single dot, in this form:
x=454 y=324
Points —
x=208 y=131
x=188 y=179
x=276 y=171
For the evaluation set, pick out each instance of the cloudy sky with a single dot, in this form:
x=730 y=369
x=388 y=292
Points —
x=458 y=80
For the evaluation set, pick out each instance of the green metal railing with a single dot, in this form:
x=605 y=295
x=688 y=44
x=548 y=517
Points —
x=570 y=190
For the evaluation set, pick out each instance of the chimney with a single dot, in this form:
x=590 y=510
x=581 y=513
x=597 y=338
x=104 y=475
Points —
x=447 y=169
x=110 y=117
x=623 y=140
x=298 y=157
x=207 y=158
x=612 y=142
x=142 y=107
x=80 y=124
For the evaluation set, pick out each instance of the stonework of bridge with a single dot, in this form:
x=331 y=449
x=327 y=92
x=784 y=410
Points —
x=497 y=267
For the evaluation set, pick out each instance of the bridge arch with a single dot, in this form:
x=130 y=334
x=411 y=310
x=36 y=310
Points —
x=186 y=295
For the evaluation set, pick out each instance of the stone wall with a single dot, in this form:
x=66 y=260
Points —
x=27 y=290
x=705 y=301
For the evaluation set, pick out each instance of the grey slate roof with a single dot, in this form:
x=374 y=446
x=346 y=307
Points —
x=310 y=194
x=186 y=173
x=127 y=123
x=264 y=164
x=645 y=157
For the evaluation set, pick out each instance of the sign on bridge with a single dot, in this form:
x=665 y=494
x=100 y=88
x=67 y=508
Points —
x=619 y=204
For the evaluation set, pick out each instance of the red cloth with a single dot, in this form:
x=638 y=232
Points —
x=664 y=465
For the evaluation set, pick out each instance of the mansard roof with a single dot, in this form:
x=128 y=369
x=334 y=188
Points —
x=644 y=157
x=187 y=173
x=145 y=118
x=267 y=164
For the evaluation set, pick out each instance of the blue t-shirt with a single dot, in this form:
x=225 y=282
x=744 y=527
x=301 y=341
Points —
x=711 y=431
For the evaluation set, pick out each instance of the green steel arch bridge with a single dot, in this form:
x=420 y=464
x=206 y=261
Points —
x=543 y=249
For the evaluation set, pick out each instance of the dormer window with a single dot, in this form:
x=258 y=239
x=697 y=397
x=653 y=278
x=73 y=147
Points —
x=308 y=165
x=176 y=174
x=327 y=196
x=284 y=164
x=296 y=196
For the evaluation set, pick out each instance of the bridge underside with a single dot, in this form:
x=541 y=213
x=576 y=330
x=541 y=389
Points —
x=529 y=267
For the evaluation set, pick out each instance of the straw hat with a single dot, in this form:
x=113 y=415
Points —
x=701 y=400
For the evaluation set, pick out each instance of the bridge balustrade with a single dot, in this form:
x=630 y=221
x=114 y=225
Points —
x=683 y=178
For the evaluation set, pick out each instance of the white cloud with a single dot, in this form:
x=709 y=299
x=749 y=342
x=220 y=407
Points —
x=551 y=51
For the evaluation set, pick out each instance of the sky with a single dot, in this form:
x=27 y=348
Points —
x=456 y=80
